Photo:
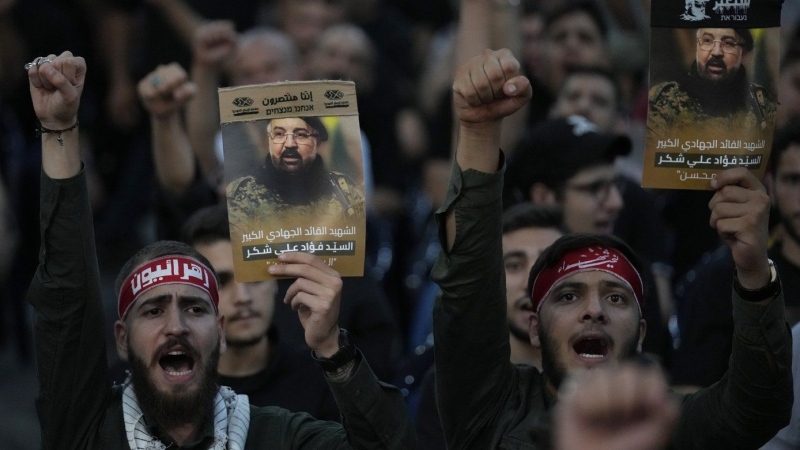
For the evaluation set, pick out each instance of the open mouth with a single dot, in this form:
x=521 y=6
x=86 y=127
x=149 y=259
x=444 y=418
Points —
x=591 y=347
x=177 y=363
x=290 y=156
x=715 y=67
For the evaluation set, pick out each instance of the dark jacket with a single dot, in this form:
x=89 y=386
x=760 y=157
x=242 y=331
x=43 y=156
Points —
x=77 y=407
x=486 y=402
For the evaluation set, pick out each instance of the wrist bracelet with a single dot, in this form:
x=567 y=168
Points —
x=772 y=288
x=41 y=130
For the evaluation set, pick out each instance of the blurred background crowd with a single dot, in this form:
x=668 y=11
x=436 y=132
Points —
x=584 y=57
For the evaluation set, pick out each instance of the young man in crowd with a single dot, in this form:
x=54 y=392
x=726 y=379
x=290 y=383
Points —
x=587 y=294
x=169 y=328
x=257 y=362
x=527 y=230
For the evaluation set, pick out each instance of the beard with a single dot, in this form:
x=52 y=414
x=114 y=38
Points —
x=172 y=409
x=715 y=61
x=280 y=163
x=554 y=370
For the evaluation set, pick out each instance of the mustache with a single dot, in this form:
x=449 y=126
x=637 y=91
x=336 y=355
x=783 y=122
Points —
x=290 y=153
x=176 y=341
x=242 y=313
x=716 y=61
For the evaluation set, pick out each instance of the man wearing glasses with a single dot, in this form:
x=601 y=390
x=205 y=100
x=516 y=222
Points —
x=294 y=175
x=715 y=87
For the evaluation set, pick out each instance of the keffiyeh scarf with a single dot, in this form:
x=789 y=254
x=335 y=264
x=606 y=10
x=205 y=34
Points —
x=231 y=421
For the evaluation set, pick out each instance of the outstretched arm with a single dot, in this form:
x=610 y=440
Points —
x=56 y=87
x=212 y=46
x=164 y=92
x=65 y=291
x=470 y=324
x=754 y=398
x=486 y=89
x=374 y=414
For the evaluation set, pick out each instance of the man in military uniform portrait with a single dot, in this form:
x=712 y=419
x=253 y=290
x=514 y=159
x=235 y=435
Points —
x=715 y=91
x=294 y=177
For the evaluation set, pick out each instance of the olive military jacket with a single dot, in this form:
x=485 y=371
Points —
x=486 y=402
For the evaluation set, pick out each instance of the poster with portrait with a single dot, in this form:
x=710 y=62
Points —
x=294 y=175
x=712 y=96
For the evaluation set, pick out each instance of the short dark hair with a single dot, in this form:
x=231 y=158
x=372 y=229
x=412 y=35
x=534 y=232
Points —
x=598 y=72
x=589 y=7
x=553 y=254
x=528 y=215
x=156 y=250
x=207 y=226
x=785 y=137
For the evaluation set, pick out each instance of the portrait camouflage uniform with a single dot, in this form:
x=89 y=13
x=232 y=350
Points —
x=673 y=106
x=314 y=191
x=336 y=195
x=692 y=101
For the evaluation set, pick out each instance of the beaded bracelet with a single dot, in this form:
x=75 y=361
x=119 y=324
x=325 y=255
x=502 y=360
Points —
x=41 y=130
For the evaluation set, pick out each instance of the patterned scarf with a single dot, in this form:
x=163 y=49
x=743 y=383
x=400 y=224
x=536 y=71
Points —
x=231 y=421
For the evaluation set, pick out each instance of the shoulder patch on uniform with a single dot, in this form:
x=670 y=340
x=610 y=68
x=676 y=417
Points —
x=662 y=89
x=238 y=183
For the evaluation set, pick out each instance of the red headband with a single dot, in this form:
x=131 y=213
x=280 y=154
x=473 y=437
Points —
x=584 y=259
x=166 y=270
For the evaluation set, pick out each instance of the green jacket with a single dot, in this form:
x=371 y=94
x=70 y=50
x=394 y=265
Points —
x=77 y=407
x=485 y=402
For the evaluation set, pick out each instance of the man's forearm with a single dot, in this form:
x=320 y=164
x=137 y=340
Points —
x=374 y=413
x=202 y=121
x=172 y=154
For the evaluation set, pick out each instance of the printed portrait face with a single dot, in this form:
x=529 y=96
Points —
x=719 y=53
x=696 y=8
x=588 y=319
x=292 y=144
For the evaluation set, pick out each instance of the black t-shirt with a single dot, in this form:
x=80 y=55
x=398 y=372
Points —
x=291 y=380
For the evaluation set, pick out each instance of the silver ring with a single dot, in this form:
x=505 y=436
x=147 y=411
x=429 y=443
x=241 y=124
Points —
x=38 y=61
x=155 y=80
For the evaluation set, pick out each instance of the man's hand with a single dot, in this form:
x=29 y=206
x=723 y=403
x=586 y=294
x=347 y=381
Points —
x=615 y=408
x=489 y=87
x=165 y=90
x=486 y=89
x=213 y=43
x=56 y=89
x=740 y=214
x=315 y=295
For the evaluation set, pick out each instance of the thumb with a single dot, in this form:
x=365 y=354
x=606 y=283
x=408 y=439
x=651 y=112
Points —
x=185 y=92
x=518 y=87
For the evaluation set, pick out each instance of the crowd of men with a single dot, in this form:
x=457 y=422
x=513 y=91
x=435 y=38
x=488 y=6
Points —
x=495 y=183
